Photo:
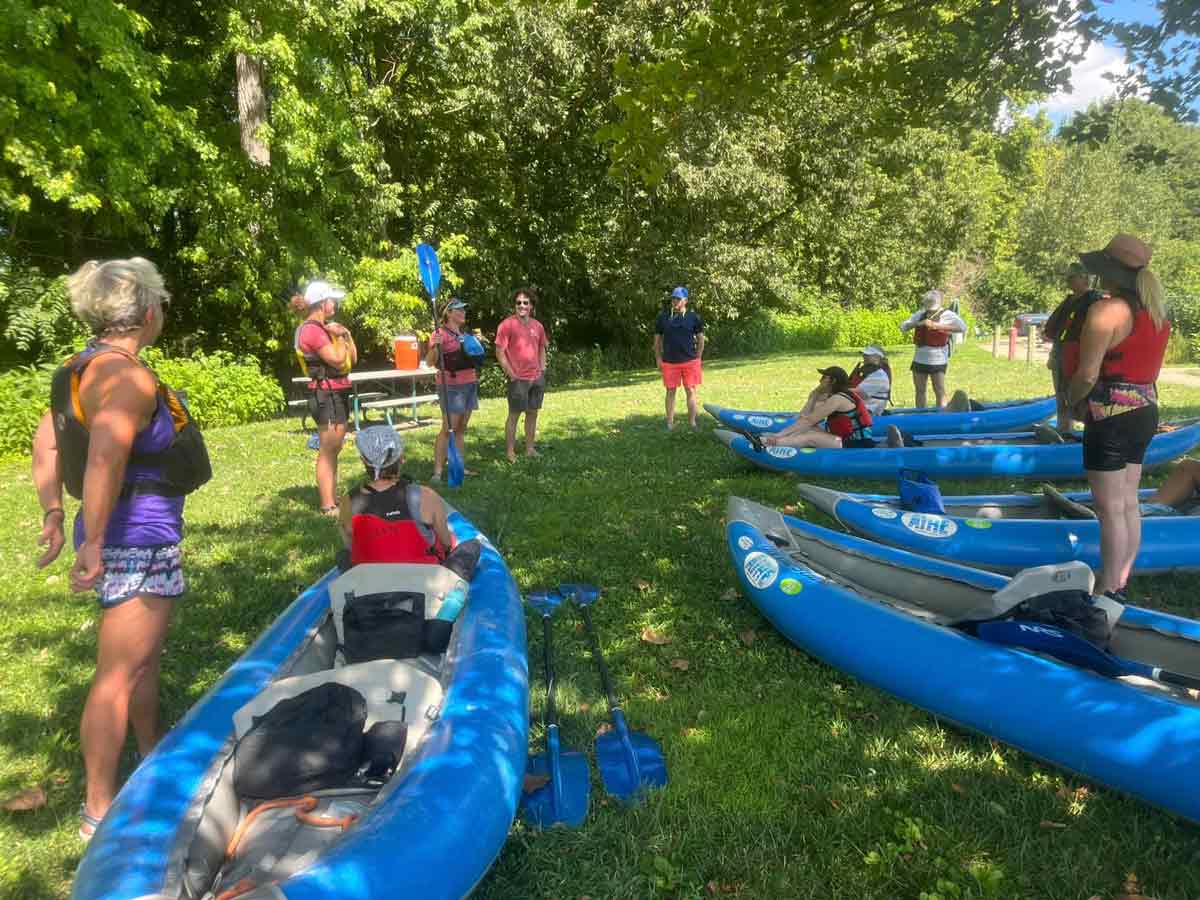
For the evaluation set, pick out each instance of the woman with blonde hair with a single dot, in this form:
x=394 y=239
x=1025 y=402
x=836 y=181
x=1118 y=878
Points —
x=123 y=443
x=1112 y=371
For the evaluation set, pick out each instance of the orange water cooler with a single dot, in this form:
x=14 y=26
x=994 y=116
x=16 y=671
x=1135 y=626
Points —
x=406 y=351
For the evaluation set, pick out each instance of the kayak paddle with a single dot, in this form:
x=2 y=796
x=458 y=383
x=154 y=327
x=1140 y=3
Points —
x=1064 y=645
x=431 y=277
x=629 y=761
x=564 y=798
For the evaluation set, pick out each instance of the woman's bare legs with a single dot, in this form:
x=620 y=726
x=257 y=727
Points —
x=124 y=691
x=939 y=389
x=920 y=379
x=1110 y=493
x=333 y=436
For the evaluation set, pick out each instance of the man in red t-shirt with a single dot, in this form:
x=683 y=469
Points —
x=521 y=349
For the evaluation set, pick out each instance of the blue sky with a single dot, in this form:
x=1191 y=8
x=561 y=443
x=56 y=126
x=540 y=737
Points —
x=1087 y=78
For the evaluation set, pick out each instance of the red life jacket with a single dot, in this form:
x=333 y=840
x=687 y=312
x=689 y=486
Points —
x=855 y=424
x=927 y=337
x=1136 y=360
x=383 y=529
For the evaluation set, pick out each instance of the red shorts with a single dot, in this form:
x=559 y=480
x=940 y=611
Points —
x=687 y=373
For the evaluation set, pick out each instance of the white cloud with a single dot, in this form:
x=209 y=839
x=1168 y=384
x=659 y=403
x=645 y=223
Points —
x=1088 y=81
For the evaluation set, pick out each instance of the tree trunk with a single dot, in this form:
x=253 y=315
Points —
x=252 y=108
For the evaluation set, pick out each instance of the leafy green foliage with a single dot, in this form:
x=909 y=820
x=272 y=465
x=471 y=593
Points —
x=222 y=389
x=24 y=397
x=1004 y=291
x=38 y=322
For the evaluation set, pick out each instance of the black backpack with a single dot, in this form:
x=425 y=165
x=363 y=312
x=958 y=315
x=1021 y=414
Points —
x=302 y=744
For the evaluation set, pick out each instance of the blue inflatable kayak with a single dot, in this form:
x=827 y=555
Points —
x=434 y=828
x=882 y=615
x=961 y=456
x=1014 y=416
x=992 y=532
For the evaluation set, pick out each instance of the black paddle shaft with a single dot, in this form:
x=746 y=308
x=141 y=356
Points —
x=548 y=656
x=605 y=679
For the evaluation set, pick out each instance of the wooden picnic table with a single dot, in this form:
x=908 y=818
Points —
x=386 y=393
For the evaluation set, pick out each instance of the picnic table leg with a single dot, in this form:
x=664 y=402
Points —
x=354 y=388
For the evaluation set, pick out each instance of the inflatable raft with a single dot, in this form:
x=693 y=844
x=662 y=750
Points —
x=1006 y=533
x=1013 y=416
x=951 y=456
x=179 y=830
x=882 y=615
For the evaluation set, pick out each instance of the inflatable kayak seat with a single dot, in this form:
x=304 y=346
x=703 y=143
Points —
x=271 y=840
x=1036 y=582
x=390 y=610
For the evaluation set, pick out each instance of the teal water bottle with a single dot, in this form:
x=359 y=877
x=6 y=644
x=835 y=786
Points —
x=453 y=602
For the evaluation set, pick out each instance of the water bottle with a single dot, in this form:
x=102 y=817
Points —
x=453 y=602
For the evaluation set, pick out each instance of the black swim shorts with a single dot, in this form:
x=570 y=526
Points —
x=329 y=407
x=927 y=369
x=1111 y=444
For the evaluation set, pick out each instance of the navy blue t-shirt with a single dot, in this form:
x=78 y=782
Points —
x=679 y=335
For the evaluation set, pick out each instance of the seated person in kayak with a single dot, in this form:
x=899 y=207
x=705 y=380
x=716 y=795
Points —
x=1178 y=494
x=873 y=379
x=389 y=519
x=847 y=419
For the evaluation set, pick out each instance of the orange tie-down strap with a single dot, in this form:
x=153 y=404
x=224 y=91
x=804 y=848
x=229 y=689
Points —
x=304 y=807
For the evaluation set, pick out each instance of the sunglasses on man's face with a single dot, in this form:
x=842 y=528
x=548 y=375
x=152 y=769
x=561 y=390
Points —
x=524 y=303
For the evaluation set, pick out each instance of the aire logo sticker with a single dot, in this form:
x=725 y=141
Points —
x=760 y=421
x=745 y=543
x=781 y=452
x=761 y=569
x=928 y=525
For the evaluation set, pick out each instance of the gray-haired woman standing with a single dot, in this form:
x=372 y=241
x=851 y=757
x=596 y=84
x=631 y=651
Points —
x=123 y=443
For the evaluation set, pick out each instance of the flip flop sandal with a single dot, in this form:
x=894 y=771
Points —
x=87 y=824
x=330 y=511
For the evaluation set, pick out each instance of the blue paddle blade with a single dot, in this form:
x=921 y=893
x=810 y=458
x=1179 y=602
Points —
x=1057 y=643
x=455 y=470
x=582 y=594
x=563 y=800
x=430 y=268
x=545 y=602
x=629 y=761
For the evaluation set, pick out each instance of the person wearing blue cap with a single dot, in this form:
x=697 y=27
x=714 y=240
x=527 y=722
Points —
x=679 y=350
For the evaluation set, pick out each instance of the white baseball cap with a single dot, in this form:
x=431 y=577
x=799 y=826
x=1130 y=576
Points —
x=317 y=291
x=872 y=350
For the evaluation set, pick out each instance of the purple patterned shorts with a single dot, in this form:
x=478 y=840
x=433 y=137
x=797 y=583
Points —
x=130 y=571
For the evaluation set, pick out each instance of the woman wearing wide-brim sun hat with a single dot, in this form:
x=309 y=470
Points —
x=1112 y=372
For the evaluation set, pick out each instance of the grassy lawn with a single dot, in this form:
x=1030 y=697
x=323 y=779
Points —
x=788 y=779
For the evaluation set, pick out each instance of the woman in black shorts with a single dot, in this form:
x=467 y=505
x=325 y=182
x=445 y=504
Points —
x=326 y=353
x=1112 y=390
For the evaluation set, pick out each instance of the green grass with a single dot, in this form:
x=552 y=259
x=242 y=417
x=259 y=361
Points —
x=788 y=778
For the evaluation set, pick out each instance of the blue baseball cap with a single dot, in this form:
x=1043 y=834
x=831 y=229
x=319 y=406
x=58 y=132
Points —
x=680 y=293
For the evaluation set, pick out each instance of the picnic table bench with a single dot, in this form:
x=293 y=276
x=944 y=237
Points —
x=385 y=396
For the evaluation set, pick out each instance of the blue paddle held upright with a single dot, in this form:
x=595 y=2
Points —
x=563 y=799
x=431 y=276
x=630 y=762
